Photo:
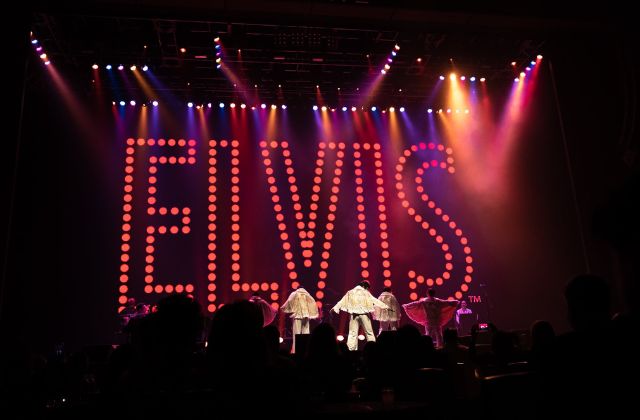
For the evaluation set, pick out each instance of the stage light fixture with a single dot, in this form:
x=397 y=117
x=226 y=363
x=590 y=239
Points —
x=145 y=68
x=401 y=109
x=315 y=107
x=373 y=108
x=221 y=104
x=120 y=67
x=122 y=103
x=344 y=108
x=190 y=104
x=441 y=77
x=155 y=103
x=429 y=110
x=95 y=67
x=263 y=106
x=133 y=68
x=108 y=67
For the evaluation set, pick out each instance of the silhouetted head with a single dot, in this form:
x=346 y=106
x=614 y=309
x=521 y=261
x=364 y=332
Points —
x=322 y=342
x=587 y=299
x=542 y=334
x=365 y=284
x=387 y=289
x=431 y=292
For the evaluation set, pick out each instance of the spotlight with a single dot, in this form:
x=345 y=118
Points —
x=315 y=107
x=133 y=68
x=448 y=110
x=216 y=39
x=516 y=80
x=95 y=67
x=441 y=77
x=361 y=337
x=218 y=60
x=263 y=106
x=482 y=79
x=387 y=67
x=243 y=106
x=183 y=50
x=462 y=78
x=324 y=108
x=113 y=102
x=280 y=340
x=472 y=78
x=383 y=72
x=273 y=107
x=392 y=109
x=155 y=103
x=39 y=49
x=190 y=104
x=522 y=74
x=46 y=63
x=344 y=109
x=393 y=53
x=218 y=66
x=401 y=109
x=539 y=57
x=452 y=76
x=209 y=105
x=232 y=105
x=221 y=104
x=132 y=103
x=217 y=46
x=466 y=111
x=108 y=67
x=145 y=68
x=533 y=63
x=353 y=109
x=513 y=63
x=34 y=41
x=43 y=56
x=340 y=337
x=120 y=67
x=528 y=68
x=122 y=103
x=419 y=60
x=397 y=47
x=374 y=109
x=429 y=110
x=283 y=106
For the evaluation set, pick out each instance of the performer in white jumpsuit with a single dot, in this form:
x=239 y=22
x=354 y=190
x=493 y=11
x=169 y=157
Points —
x=432 y=313
x=268 y=312
x=302 y=308
x=388 y=318
x=359 y=303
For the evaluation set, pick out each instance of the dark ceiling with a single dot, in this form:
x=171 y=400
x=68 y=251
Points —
x=338 y=45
